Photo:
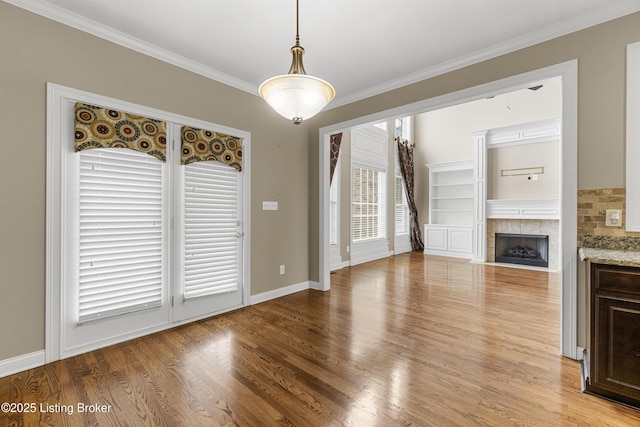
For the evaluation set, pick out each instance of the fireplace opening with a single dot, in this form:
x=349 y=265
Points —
x=523 y=249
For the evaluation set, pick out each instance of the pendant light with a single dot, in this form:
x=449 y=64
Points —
x=296 y=95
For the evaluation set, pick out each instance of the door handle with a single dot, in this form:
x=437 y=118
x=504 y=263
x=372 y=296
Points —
x=239 y=234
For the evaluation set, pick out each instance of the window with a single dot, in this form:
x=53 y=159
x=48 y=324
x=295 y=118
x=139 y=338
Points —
x=401 y=212
x=334 y=213
x=368 y=200
x=401 y=208
x=402 y=128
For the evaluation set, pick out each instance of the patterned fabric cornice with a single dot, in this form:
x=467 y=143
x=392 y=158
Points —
x=202 y=145
x=97 y=127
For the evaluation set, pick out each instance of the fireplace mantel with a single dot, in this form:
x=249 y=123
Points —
x=524 y=133
x=523 y=209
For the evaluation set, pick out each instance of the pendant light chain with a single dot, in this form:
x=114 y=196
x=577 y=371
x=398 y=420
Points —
x=297 y=24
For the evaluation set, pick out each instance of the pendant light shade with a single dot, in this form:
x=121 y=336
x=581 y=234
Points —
x=296 y=96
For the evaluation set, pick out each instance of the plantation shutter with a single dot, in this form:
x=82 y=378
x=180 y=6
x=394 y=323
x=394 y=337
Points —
x=401 y=209
x=120 y=234
x=368 y=200
x=211 y=241
x=333 y=211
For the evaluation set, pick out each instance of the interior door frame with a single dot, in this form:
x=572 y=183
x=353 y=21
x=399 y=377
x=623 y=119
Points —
x=568 y=72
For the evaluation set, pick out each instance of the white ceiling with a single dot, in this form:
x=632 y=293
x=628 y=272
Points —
x=362 y=47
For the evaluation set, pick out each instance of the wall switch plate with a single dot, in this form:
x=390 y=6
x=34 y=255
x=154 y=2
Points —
x=613 y=218
x=282 y=269
x=269 y=206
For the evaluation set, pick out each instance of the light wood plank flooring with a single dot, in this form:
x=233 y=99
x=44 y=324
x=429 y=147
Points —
x=406 y=341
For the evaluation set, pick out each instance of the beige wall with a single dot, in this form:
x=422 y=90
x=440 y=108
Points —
x=540 y=154
x=600 y=51
x=34 y=51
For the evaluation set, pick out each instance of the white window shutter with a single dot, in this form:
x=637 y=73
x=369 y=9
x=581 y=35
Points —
x=401 y=209
x=120 y=234
x=211 y=241
x=368 y=204
x=334 y=219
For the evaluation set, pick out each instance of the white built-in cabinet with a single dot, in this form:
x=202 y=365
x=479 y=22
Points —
x=451 y=206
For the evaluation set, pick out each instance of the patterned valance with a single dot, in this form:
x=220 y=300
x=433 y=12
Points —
x=201 y=145
x=97 y=127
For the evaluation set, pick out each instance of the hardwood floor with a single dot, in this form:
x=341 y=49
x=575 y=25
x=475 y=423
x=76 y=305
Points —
x=409 y=340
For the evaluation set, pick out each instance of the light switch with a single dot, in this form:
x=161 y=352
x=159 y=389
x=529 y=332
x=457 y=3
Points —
x=269 y=206
x=613 y=218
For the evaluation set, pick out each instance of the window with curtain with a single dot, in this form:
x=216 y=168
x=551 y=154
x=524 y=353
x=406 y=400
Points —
x=401 y=212
x=368 y=204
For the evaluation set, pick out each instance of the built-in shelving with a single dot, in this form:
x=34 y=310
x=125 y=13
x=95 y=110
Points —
x=451 y=208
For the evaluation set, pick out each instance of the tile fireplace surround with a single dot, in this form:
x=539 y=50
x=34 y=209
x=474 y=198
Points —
x=546 y=227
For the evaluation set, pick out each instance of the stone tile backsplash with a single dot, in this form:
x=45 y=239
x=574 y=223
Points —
x=592 y=206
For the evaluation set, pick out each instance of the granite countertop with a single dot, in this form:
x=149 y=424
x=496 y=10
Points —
x=611 y=250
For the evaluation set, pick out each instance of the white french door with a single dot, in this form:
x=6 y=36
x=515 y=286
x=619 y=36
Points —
x=208 y=230
x=137 y=245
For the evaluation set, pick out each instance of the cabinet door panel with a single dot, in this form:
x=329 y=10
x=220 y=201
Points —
x=436 y=238
x=617 y=345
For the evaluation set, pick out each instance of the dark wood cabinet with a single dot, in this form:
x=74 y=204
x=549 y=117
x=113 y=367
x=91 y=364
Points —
x=615 y=333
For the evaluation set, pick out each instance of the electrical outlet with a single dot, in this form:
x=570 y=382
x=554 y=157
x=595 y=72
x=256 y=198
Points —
x=282 y=269
x=613 y=218
x=269 y=206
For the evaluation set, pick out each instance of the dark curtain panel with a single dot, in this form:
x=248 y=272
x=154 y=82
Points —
x=405 y=156
x=334 y=150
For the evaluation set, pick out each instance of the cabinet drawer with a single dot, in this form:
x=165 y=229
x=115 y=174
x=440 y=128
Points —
x=616 y=279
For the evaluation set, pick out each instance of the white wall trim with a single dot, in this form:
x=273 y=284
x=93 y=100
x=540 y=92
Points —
x=633 y=137
x=369 y=250
x=340 y=265
x=523 y=133
x=21 y=363
x=569 y=204
x=523 y=209
x=401 y=244
x=281 y=292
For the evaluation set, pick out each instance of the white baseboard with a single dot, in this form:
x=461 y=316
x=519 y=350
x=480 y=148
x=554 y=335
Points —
x=280 y=292
x=21 y=363
x=371 y=256
x=339 y=266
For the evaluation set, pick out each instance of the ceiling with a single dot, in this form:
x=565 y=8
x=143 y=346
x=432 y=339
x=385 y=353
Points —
x=362 y=47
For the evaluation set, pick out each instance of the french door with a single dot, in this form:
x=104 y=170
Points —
x=208 y=228
x=142 y=244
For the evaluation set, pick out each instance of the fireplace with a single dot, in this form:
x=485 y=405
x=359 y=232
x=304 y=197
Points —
x=523 y=249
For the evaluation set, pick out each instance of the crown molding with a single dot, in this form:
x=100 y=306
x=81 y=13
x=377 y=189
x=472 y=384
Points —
x=97 y=29
x=604 y=14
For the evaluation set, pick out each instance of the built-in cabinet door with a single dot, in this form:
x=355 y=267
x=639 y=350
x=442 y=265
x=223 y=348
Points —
x=435 y=238
x=459 y=240
x=615 y=334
